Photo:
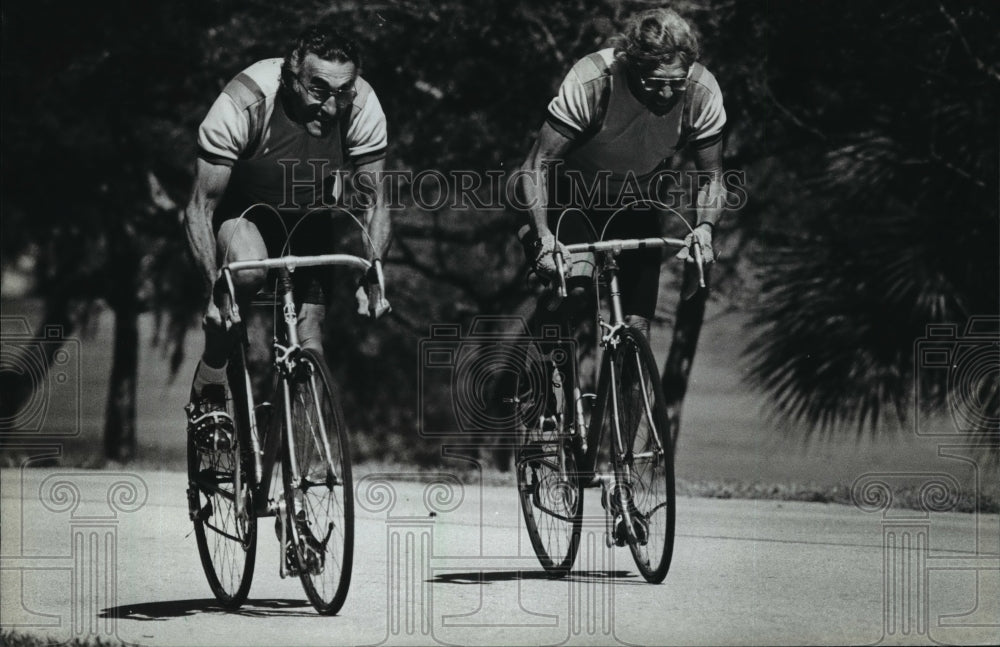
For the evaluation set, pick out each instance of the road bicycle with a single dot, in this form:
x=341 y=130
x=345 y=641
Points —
x=303 y=427
x=560 y=431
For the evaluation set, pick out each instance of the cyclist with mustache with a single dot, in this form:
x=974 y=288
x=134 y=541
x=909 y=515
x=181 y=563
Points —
x=619 y=117
x=281 y=134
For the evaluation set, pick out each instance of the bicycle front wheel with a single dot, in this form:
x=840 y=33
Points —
x=319 y=495
x=547 y=481
x=226 y=536
x=643 y=454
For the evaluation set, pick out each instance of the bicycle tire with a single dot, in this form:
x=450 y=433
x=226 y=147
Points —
x=321 y=499
x=548 y=482
x=643 y=462
x=227 y=545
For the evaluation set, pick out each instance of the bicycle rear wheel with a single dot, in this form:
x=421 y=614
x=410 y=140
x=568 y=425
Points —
x=319 y=495
x=227 y=541
x=644 y=459
x=547 y=478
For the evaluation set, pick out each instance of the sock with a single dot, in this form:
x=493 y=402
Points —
x=206 y=374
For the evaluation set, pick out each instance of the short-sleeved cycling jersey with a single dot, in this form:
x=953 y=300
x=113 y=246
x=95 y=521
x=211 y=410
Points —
x=617 y=137
x=274 y=159
x=617 y=134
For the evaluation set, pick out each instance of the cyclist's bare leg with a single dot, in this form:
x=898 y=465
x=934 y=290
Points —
x=209 y=423
x=237 y=240
x=310 y=326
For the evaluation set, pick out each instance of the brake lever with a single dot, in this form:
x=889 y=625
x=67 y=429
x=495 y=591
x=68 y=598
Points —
x=380 y=277
x=560 y=267
x=699 y=261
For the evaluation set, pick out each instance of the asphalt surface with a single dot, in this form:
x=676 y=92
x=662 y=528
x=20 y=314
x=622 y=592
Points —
x=439 y=562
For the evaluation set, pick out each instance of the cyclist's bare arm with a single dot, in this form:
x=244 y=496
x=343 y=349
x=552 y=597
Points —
x=379 y=228
x=377 y=215
x=711 y=194
x=210 y=183
x=550 y=145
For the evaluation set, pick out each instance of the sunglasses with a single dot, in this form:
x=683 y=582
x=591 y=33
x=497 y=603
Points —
x=323 y=93
x=657 y=83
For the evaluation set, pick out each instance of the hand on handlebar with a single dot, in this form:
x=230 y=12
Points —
x=704 y=237
x=371 y=300
x=697 y=249
x=367 y=295
x=545 y=263
x=220 y=315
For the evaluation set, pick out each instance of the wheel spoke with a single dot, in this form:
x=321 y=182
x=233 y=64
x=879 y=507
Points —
x=227 y=540
x=548 y=482
x=645 y=462
x=319 y=499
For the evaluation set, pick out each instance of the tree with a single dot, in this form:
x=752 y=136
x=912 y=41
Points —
x=81 y=121
x=881 y=211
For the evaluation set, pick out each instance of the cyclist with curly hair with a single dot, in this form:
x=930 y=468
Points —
x=619 y=116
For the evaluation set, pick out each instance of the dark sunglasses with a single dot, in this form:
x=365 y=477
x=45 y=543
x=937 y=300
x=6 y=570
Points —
x=323 y=93
x=657 y=83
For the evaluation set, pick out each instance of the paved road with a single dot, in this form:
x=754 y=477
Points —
x=112 y=554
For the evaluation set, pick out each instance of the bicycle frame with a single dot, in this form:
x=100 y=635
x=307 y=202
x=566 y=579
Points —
x=610 y=249
x=264 y=458
x=614 y=248
x=554 y=463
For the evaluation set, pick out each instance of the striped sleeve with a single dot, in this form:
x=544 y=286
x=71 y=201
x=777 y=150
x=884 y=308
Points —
x=224 y=132
x=576 y=107
x=571 y=109
x=366 y=136
x=709 y=113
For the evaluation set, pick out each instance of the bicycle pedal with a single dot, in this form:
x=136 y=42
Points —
x=620 y=534
x=291 y=561
x=194 y=512
x=308 y=559
x=641 y=529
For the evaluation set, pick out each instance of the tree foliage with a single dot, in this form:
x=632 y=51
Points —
x=884 y=217
x=866 y=132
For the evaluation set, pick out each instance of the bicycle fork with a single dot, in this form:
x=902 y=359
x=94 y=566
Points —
x=622 y=513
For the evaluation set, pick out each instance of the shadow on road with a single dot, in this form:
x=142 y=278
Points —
x=486 y=577
x=154 y=611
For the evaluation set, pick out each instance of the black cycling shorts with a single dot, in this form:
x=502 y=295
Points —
x=639 y=270
x=301 y=235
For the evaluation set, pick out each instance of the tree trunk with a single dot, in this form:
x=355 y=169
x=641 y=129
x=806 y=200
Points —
x=119 y=422
x=677 y=368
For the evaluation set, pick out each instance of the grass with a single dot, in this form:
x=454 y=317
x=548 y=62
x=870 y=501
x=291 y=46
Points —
x=903 y=497
x=906 y=498
x=14 y=639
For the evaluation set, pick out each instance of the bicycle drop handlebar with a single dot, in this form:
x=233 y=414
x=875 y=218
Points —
x=291 y=263
x=617 y=246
